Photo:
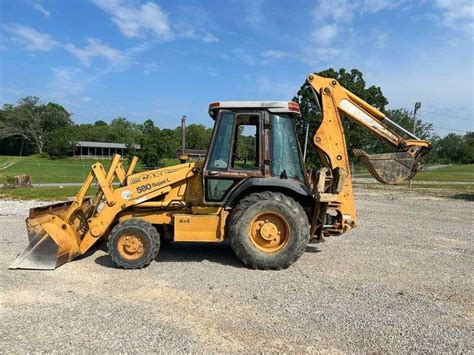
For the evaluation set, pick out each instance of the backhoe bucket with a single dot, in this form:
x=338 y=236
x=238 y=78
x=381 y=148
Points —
x=52 y=241
x=389 y=168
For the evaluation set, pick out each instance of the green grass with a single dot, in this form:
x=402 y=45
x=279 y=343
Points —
x=44 y=170
x=42 y=193
x=462 y=173
x=169 y=162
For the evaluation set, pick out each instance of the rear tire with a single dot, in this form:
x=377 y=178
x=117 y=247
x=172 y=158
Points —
x=268 y=230
x=133 y=244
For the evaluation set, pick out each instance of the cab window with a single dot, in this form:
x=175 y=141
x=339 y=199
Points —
x=285 y=155
x=219 y=156
x=245 y=151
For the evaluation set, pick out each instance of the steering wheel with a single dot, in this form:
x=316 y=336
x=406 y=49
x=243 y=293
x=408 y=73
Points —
x=236 y=157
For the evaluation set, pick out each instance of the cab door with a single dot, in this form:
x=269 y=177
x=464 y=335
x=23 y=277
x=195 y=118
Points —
x=235 y=154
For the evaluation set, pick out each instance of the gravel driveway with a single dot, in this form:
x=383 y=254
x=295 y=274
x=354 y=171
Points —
x=400 y=282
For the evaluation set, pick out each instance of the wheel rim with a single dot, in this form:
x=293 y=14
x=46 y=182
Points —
x=269 y=232
x=131 y=246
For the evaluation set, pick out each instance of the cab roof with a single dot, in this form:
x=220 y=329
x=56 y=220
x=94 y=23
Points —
x=273 y=106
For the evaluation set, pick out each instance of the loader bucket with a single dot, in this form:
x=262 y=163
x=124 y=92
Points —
x=389 y=168
x=52 y=241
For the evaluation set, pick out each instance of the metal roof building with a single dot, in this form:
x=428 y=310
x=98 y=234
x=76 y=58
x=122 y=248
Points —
x=99 y=150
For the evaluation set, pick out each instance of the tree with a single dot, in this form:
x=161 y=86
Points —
x=59 y=143
x=170 y=141
x=151 y=151
x=30 y=120
x=198 y=136
x=467 y=149
x=455 y=149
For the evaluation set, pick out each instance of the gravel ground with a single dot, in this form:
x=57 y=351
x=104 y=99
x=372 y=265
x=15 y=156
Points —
x=400 y=282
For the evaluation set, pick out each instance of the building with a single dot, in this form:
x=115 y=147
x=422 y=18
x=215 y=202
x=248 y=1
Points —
x=193 y=154
x=99 y=150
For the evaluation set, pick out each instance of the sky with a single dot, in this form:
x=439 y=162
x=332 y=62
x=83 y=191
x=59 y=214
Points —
x=161 y=59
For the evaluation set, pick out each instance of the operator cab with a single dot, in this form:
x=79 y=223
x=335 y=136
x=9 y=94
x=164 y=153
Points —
x=252 y=140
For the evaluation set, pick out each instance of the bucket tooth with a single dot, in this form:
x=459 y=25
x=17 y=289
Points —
x=389 y=168
x=41 y=254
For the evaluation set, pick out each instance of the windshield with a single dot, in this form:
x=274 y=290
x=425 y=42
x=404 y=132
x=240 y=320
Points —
x=219 y=156
x=284 y=150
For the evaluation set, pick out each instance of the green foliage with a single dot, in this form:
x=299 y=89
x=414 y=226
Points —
x=30 y=121
x=198 y=136
x=151 y=146
x=454 y=149
x=59 y=143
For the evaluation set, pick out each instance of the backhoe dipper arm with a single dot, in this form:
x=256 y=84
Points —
x=334 y=186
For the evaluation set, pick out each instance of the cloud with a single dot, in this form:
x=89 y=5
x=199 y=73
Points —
x=149 y=68
x=68 y=81
x=334 y=10
x=457 y=15
x=30 y=38
x=69 y=85
x=379 y=37
x=253 y=14
x=325 y=34
x=34 y=40
x=191 y=22
x=96 y=48
x=272 y=54
x=343 y=11
x=38 y=7
x=147 y=19
x=241 y=55
x=332 y=16
x=284 y=90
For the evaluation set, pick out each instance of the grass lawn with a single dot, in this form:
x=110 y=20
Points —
x=42 y=193
x=43 y=170
x=463 y=173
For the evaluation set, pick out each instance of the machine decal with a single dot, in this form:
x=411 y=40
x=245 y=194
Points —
x=126 y=194
x=351 y=109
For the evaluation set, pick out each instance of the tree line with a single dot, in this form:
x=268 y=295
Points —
x=30 y=127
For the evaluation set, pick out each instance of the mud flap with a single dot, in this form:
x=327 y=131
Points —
x=389 y=168
x=41 y=254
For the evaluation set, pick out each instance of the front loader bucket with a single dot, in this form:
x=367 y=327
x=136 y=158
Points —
x=52 y=241
x=41 y=254
x=389 y=168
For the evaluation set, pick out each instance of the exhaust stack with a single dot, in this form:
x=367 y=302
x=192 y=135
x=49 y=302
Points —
x=183 y=157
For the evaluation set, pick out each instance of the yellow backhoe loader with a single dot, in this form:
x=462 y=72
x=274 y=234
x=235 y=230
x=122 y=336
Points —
x=264 y=204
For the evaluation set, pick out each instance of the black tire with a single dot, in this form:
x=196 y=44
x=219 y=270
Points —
x=242 y=217
x=143 y=231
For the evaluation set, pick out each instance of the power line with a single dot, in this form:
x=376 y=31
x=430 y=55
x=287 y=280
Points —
x=450 y=116
x=450 y=129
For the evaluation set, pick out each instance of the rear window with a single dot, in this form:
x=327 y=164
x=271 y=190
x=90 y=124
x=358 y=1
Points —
x=284 y=150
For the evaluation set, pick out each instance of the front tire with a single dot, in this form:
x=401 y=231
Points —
x=268 y=230
x=133 y=244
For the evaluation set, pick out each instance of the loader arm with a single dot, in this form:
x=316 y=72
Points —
x=60 y=232
x=333 y=183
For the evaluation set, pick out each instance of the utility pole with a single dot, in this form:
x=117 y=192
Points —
x=417 y=107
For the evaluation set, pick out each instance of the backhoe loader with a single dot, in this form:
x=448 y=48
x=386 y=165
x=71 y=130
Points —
x=265 y=204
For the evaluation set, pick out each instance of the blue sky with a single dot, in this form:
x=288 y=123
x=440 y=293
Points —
x=161 y=59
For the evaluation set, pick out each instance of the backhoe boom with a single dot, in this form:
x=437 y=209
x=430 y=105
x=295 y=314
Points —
x=334 y=184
